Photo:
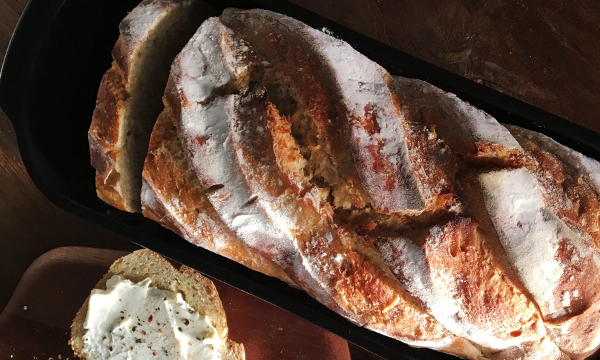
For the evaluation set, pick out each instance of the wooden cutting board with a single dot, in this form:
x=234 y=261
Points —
x=35 y=324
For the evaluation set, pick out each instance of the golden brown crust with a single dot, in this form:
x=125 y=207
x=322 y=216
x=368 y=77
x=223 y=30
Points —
x=121 y=55
x=456 y=124
x=179 y=202
x=434 y=167
x=129 y=98
x=307 y=168
x=109 y=109
x=106 y=191
x=103 y=136
x=490 y=297
x=295 y=92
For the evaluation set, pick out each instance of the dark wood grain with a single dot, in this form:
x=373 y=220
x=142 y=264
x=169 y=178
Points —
x=546 y=53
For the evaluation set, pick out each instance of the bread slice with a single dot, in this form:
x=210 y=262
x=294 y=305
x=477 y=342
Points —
x=199 y=292
x=129 y=98
x=173 y=196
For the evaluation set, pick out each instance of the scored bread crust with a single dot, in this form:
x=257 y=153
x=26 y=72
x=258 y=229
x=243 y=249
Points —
x=231 y=130
x=199 y=292
x=569 y=179
x=128 y=100
x=393 y=224
x=361 y=289
x=173 y=196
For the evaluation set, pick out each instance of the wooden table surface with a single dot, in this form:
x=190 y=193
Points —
x=546 y=53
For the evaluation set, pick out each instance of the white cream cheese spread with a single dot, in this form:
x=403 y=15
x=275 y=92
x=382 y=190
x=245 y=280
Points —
x=137 y=321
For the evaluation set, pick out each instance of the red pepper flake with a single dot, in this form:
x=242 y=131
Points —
x=119 y=299
x=150 y=318
x=154 y=353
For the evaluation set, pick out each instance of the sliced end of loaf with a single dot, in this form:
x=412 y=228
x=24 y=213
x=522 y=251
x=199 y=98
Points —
x=129 y=99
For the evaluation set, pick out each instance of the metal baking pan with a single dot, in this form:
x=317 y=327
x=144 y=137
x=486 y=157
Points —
x=48 y=85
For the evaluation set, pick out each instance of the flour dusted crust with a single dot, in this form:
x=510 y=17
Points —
x=230 y=141
x=286 y=162
x=128 y=100
x=172 y=196
x=565 y=281
x=390 y=166
x=468 y=132
x=569 y=180
x=567 y=185
x=396 y=204
x=452 y=269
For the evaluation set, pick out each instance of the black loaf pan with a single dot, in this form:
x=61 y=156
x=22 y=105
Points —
x=48 y=85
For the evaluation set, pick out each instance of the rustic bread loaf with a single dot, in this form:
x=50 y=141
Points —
x=198 y=291
x=392 y=202
x=276 y=150
x=229 y=138
x=128 y=101
x=566 y=185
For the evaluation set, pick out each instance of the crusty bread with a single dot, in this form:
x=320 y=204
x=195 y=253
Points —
x=172 y=196
x=128 y=101
x=566 y=278
x=249 y=151
x=464 y=281
x=199 y=292
x=388 y=200
x=570 y=181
